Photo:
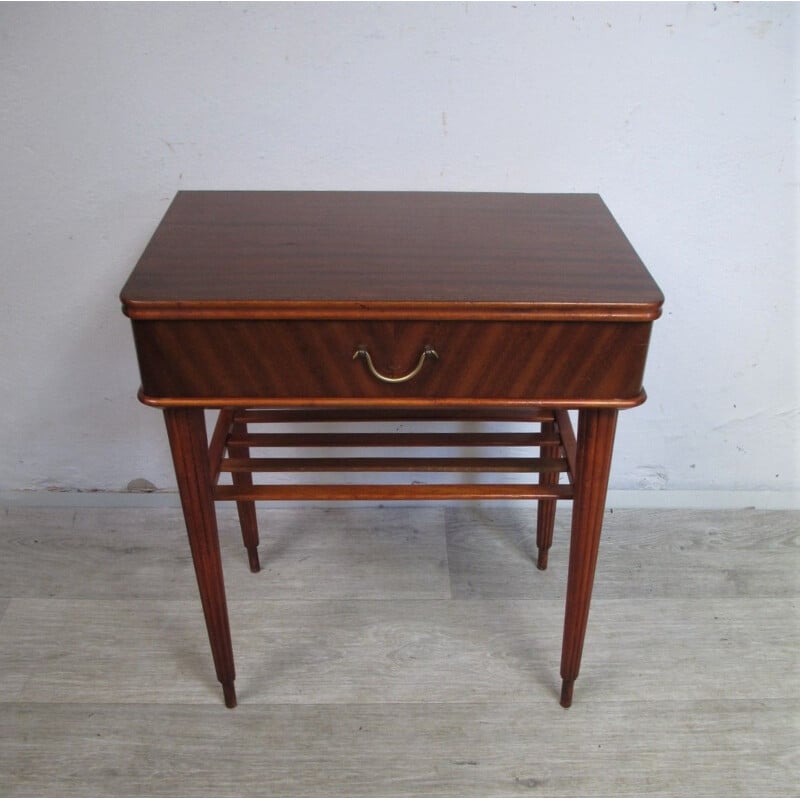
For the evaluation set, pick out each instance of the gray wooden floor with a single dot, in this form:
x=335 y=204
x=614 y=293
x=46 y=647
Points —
x=399 y=651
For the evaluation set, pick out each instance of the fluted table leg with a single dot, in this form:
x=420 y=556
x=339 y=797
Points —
x=546 y=513
x=246 y=508
x=596 y=429
x=188 y=440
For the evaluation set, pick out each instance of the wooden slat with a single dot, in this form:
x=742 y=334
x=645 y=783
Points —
x=239 y=465
x=372 y=492
x=512 y=414
x=488 y=439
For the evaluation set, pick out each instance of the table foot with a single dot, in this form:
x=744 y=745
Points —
x=541 y=561
x=566 y=693
x=230 y=695
x=252 y=557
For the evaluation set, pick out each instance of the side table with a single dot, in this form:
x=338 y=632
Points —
x=347 y=307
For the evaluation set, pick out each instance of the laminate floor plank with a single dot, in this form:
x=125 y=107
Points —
x=305 y=553
x=396 y=651
x=286 y=651
x=670 y=553
x=399 y=651
x=607 y=748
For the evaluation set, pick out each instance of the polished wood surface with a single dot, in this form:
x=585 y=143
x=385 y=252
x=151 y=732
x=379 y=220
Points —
x=320 y=307
x=186 y=430
x=596 y=429
x=366 y=254
x=546 y=513
x=414 y=452
x=304 y=361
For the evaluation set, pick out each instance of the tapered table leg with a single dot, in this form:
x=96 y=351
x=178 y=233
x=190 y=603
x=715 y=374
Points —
x=546 y=511
x=596 y=429
x=187 y=437
x=246 y=508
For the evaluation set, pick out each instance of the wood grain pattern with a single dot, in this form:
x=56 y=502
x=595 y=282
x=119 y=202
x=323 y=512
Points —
x=365 y=254
x=546 y=511
x=388 y=554
x=596 y=429
x=567 y=437
x=265 y=299
x=572 y=363
x=399 y=552
x=470 y=749
x=403 y=651
x=412 y=438
x=374 y=492
x=186 y=430
x=246 y=509
x=525 y=413
x=709 y=709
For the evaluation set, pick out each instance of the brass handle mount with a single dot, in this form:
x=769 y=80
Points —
x=362 y=351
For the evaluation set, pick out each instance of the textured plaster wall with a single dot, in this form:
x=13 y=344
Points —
x=683 y=116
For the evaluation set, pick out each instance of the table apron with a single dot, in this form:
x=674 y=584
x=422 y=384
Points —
x=300 y=361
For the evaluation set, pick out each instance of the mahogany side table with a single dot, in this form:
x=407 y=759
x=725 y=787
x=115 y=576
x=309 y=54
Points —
x=354 y=306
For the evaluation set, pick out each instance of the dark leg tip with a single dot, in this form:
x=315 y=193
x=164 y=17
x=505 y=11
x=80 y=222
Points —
x=541 y=562
x=230 y=695
x=252 y=557
x=566 y=693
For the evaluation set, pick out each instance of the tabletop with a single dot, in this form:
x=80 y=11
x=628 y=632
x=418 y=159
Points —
x=254 y=254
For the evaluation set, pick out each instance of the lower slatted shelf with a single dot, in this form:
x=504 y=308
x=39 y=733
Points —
x=230 y=453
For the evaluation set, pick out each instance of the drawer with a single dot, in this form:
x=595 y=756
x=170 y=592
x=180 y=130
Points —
x=291 y=360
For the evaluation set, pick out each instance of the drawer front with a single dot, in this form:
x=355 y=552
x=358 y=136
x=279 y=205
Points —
x=289 y=360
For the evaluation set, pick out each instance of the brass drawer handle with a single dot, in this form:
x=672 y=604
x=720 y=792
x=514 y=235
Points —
x=362 y=351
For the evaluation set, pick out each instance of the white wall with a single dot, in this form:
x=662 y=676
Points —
x=681 y=115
